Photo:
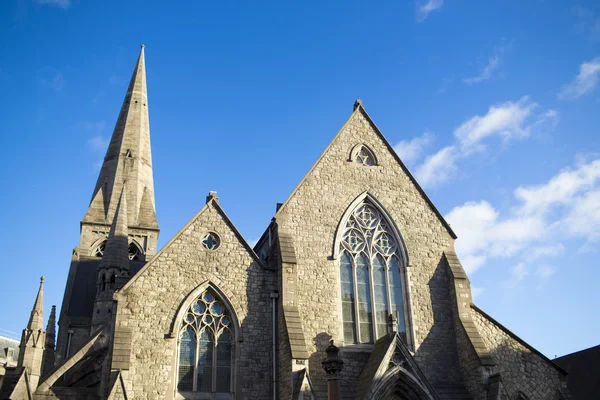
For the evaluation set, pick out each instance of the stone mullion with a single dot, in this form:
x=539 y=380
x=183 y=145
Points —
x=387 y=285
x=195 y=369
x=213 y=386
x=356 y=314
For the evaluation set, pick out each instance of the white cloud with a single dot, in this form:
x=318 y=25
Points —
x=438 y=167
x=517 y=273
x=492 y=65
x=545 y=271
x=545 y=251
x=585 y=82
x=566 y=206
x=560 y=190
x=424 y=9
x=486 y=73
x=507 y=120
x=58 y=3
x=411 y=150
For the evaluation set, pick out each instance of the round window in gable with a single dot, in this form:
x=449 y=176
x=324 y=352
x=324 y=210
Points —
x=211 y=241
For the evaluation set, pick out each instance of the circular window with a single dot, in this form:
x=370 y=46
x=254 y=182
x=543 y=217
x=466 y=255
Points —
x=211 y=241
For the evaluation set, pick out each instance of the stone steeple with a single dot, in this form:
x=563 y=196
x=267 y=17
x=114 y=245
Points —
x=33 y=340
x=50 y=339
x=113 y=270
x=116 y=252
x=128 y=158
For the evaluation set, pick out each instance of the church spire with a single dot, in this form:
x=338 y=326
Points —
x=36 y=320
x=116 y=252
x=33 y=340
x=128 y=158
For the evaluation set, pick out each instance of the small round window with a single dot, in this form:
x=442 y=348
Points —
x=211 y=241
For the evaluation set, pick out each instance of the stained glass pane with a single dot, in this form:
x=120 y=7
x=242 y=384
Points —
x=205 y=362
x=224 y=362
x=380 y=294
x=364 y=299
x=186 y=361
x=369 y=292
x=397 y=305
x=347 y=281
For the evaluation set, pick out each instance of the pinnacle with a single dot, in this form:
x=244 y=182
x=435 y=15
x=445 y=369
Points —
x=36 y=318
x=116 y=252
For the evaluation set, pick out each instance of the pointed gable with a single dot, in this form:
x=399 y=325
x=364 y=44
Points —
x=190 y=241
x=360 y=131
x=96 y=211
x=146 y=213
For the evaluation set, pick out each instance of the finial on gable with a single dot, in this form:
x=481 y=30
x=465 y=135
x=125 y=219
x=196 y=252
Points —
x=42 y=279
x=357 y=103
x=212 y=196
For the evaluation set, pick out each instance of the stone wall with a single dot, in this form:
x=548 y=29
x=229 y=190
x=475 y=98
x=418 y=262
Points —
x=312 y=214
x=148 y=305
x=522 y=369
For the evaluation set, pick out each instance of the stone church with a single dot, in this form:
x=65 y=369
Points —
x=357 y=256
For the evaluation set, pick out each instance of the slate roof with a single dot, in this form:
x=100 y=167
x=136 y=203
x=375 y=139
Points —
x=583 y=368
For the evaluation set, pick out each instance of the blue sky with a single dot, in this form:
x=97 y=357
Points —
x=492 y=105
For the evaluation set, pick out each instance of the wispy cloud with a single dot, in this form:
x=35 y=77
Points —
x=410 y=151
x=584 y=82
x=438 y=167
x=588 y=23
x=58 y=3
x=425 y=8
x=488 y=70
x=56 y=82
x=97 y=142
x=566 y=206
x=507 y=121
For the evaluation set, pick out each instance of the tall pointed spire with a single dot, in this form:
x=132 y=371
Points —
x=50 y=339
x=128 y=157
x=33 y=340
x=116 y=252
x=36 y=320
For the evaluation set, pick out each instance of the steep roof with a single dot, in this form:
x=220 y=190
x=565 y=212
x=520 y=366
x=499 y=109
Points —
x=583 y=368
x=358 y=108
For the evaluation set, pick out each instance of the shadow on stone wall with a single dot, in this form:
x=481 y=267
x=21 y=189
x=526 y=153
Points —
x=524 y=372
x=437 y=356
x=255 y=372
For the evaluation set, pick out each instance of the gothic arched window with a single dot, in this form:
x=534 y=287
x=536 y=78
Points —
x=135 y=252
x=205 y=347
x=99 y=250
x=370 y=276
x=361 y=154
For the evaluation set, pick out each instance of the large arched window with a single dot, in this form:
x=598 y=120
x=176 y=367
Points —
x=371 y=278
x=205 y=348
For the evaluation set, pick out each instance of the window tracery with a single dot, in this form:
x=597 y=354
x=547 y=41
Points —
x=370 y=276
x=135 y=253
x=361 y=154
x=205 y=347
x=211 y=241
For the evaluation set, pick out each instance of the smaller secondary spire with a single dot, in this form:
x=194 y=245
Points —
x=49 y=356
x=36 y=320
x=116 y=252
